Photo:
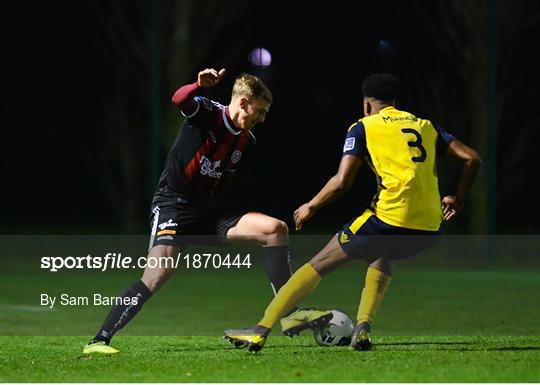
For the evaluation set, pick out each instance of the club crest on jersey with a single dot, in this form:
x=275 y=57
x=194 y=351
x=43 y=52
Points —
x=210 y=168
x=344 y=238
x=235 y=157
x=349 y=144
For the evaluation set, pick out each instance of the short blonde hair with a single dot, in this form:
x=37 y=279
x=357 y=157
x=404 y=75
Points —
x=251 y=87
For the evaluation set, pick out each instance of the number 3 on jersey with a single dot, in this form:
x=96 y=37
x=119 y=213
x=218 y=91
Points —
x=416 y=143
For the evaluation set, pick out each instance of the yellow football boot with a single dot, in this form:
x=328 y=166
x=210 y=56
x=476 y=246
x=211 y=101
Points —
x=361 y=338
x=99 y=347
x=248 y=338
x=302 y=319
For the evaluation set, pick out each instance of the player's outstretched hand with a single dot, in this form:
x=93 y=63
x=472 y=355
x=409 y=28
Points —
x=451 y=206
x=302 y=214
x=210 y=77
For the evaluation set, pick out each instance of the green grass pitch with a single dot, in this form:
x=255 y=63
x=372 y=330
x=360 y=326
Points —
x=438 y=325
x=209 y=359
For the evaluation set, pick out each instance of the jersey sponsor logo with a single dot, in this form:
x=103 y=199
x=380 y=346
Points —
x=163 y=237
x=169 y=223
x=349 y=144
x=162 y=232
x=210 y=168
x=344 y=238
x=235 y=157
x=391 y=119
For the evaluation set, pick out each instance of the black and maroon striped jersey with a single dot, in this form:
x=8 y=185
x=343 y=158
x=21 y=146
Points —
x=206 y=153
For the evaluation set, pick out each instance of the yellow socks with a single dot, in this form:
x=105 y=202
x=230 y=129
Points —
x=302 y=282
x=306 y=279
x=376 y=284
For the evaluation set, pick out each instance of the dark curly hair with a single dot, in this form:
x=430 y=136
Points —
x=383 y=87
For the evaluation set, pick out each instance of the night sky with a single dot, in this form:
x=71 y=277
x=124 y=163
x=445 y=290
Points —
x=64 y=79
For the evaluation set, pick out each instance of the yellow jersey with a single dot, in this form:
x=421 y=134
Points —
x=401 y=149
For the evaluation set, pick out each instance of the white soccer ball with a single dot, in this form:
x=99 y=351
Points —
x=337 y=332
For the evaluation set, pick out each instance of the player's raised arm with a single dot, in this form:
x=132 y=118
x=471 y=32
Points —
x=183 y=98
x=453 y=204
x=336 y=186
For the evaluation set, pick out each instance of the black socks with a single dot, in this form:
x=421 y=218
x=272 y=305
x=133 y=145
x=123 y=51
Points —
x=277 y=262
x=132 y=301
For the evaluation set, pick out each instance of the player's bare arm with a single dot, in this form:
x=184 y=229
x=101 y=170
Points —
x=336 y=186
x=453 y=204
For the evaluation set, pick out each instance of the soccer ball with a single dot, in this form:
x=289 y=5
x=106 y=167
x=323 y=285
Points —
x=337 y=332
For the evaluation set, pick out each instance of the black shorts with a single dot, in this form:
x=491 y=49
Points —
x=179 y=221
x=369 y=238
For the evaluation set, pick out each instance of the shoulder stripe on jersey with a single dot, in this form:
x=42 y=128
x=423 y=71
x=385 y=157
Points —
x=354 y=124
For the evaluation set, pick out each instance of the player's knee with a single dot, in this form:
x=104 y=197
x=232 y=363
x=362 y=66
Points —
x=275 y=227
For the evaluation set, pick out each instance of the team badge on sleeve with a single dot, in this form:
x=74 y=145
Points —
x=349 y=144
x=207 y=103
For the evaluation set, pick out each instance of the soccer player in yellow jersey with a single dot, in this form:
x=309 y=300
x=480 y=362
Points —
x=404 y=216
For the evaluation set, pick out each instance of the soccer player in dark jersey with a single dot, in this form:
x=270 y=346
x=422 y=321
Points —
x=208 y=150
x=404 y=216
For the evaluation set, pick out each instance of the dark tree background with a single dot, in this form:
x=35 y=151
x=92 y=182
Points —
x=84 y=82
